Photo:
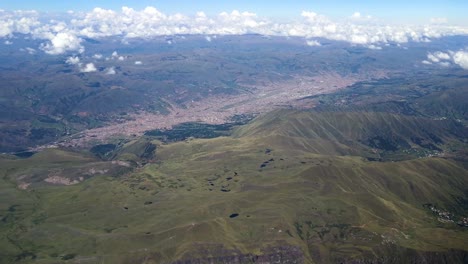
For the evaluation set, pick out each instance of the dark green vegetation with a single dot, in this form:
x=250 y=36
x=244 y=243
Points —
x=291 y=186
x=187 y=130
x=197 y=130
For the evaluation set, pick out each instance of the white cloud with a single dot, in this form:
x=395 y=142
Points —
x=97 y=56
x=63 y=42
x=8 y=42
x=438 y=58
x=432 y=57
x=313 y=43
x=442 y=55
x=232 y=23
x=208 y=38
x=73 y=60
x=121 y=58
x=89 y=68
x=18 y=22
x=110 y=71
x=29 y=50
x=446 y=59
x=138 y=62
x=374 y=47
x=66 y=36
x=313 y=17
x=356 y=15
x=359 y=17
x=445 y=64
x=359 y=39
x=461 y=59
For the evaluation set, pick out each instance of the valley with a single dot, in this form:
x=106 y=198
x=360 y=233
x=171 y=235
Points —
x=241 y=149
x=51 y=98
x=216 y=109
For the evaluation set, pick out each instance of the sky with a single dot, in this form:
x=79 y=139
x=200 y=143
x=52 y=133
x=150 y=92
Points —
x=408 y=11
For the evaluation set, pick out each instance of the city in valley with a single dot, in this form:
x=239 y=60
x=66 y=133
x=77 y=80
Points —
x=219 y=109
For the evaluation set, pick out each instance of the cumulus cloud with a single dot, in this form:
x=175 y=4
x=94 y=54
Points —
x=89 y=67
x=237 y=23
x=359 y=17
x=446 y=59
x=374 y=47
x=73 y=60
x=8 y=42
x=18 y=22
x=98 y=56
x=356 y=15
x=61 y=43
x=29 y=50
x=138 y=62
x=151 y=22
x=438 y=56
x=461 y=59
x=66 y=36
x=313 y=43
x=110 y=71
x=445 y=63
x=442 y=55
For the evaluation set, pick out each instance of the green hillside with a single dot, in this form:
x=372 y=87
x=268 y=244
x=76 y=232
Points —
x=375 y=135
x=290 y=187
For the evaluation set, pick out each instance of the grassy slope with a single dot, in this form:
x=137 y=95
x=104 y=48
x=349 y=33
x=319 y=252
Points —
x=365 y=134
x=331 y=206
